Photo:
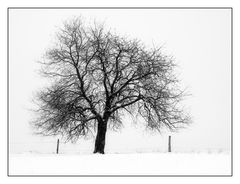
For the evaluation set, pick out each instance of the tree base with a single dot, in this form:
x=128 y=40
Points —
x=101 y=152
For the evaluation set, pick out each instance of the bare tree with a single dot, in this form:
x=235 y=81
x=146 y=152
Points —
x=99 y=75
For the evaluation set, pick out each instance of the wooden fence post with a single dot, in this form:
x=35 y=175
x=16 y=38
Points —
x=57 y=146
x=169 y=144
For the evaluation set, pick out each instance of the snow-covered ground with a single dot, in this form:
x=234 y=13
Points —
x=121 y=164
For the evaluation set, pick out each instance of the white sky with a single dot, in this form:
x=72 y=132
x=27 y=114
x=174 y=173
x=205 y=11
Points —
x=200 y=40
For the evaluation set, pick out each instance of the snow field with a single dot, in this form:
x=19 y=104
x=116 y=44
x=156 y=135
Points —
x=121 y=164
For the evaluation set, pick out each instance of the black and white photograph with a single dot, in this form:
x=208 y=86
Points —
x=120 y=91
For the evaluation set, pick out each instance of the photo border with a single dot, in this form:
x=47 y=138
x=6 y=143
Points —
x=229 y=8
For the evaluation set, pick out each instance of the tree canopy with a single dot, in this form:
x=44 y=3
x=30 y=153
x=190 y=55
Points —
x=99 y=76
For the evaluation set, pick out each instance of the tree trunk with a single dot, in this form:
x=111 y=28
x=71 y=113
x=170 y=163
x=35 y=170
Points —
x=100 y=139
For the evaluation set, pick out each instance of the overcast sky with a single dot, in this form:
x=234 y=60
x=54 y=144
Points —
x=199 y=40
